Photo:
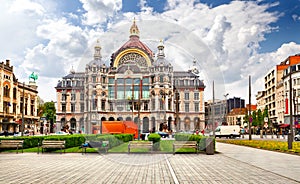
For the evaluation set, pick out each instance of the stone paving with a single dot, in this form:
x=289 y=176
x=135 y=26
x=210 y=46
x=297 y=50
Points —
x=140 y=168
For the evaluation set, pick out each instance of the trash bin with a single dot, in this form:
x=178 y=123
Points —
x=210 y=148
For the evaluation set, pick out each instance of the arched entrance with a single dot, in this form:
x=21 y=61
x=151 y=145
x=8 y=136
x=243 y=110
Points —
x=187 y=124
x=111 y=119
x=128 y=118
x=145 y=125
x=73 y=124
x=197 y=123
x=119 y=119
x=153 y=124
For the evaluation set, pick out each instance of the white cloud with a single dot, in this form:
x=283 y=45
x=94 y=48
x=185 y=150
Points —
x=224 y=40
x=100 y=11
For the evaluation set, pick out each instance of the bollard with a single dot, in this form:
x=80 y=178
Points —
x=210 y=148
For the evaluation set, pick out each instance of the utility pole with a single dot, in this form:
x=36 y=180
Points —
x=250 y=118
x=139 y=107
x=213 y=109
x=290 y=135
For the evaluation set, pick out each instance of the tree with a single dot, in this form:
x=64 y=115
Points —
x=254 y=119
x=48 y=111
x=260 y=118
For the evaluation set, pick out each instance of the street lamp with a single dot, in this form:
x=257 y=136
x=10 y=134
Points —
x=65 y=109
x=225 y=112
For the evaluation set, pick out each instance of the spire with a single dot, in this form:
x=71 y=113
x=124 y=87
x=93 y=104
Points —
x=72 y=71
x=161 y=47
x=97 y=54
x=194 y=68
x=134 y=30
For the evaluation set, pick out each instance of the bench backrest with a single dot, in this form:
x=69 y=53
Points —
x=98 y=144
x=141 y=142
x=12 y=141
x=185 y=142
x=53 y=142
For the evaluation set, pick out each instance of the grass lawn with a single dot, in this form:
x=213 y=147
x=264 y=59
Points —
x=166 y=146
x=272 y=145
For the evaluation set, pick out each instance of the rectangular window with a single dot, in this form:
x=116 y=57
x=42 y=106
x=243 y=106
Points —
x=153 y=104
x=82 y=96
x=81 y=107
x=111 y=92
x=73 y=97
x=186 y=96
x=196 y=107
x=63 y=107
x=73 y=107
x=93 y=78
x=111 y=106
x=103 y=105
x=111 y=81
x=146 y=108
x=196 y=96
x=187 y=107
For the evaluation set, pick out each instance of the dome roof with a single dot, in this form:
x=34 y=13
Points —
x=134 y=42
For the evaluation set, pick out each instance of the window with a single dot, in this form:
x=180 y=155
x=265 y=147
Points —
x=63 y=107
x=81 y=96
x=73 y=107
x=73 y=96
x=103 y=105
x=196 y=96
x=196 y=107
x=146 y=106
x=15 y=93
x=186 y=96
x=187 y=107
x=153 y=104
x=81 y=107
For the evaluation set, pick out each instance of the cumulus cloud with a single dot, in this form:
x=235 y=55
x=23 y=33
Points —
x=224 y=40
x=98 y=12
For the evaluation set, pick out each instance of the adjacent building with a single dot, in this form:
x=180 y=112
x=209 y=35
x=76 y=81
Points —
x=276 y=88
x=17 y=101
x=137 y=85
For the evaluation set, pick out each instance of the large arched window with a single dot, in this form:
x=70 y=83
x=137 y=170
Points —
x=6 y=91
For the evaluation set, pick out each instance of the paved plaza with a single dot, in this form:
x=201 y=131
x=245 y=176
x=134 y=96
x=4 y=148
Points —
x=234 y=164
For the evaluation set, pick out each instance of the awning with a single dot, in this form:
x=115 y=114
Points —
x=284 y=125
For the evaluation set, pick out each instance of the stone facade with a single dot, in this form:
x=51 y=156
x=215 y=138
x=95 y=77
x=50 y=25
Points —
x=17 y=99
x=136 y=86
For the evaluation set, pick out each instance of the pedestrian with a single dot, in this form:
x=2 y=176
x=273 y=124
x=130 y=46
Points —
x=197 y=132
x=202 y=131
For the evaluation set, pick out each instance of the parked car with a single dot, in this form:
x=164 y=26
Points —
x=163 y=134
x=297 y=137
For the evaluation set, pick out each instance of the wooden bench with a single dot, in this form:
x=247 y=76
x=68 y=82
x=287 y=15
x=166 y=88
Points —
x=100 y=145
x=52 y=144
x=185 y=144
x=140 y=144
x=12 y=144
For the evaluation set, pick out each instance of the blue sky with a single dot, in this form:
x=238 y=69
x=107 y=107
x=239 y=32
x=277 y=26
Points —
x=230 y=40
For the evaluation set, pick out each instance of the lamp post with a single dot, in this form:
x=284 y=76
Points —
x=65 y=98
x=290 y=135
x=225 y=112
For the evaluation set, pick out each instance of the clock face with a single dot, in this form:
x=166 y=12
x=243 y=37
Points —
x=133 y=57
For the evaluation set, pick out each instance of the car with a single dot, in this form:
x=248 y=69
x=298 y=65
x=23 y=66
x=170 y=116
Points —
x=297 y=137
x=163 y=134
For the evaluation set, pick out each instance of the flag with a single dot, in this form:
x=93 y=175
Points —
x=286 y=106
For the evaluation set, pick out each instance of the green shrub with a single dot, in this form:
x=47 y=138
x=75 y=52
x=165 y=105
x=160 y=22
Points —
x=155 y=138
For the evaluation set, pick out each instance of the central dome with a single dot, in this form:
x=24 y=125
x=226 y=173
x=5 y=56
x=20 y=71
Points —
x=134 y=43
